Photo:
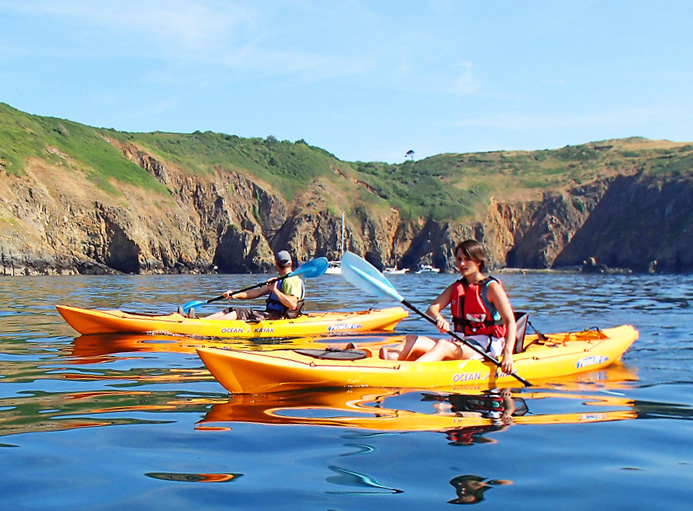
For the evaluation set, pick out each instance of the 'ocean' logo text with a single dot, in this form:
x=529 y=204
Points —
x=232 y=330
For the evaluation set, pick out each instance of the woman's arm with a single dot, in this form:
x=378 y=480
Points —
x=442 y=301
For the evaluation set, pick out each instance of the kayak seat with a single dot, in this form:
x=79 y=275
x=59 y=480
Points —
x=334 y=353
x=521 y=319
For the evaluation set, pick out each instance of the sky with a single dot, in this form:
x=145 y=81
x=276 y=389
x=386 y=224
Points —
x=364 y=80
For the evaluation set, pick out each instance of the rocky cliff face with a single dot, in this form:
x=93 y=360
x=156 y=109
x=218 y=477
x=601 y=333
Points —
x=229 y=222
x=642 y=223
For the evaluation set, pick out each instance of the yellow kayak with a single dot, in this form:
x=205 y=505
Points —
x=87 y=321
x=557 y=355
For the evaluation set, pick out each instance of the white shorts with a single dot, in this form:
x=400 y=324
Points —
x=482 y=341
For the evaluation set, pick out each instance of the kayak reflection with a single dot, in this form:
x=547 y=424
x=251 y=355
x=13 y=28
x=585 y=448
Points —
x=463 y=417
x=193 y=478
x=96 y=347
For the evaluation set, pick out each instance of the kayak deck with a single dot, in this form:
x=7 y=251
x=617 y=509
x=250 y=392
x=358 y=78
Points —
x=88 y=321
x=561 y=354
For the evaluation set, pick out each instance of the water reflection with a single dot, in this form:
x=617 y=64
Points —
x=95 y=347
x=37 y=412
x=500 y=406
x=194 y=478
x=464 y=417
x=470 y=489
x=366 y=484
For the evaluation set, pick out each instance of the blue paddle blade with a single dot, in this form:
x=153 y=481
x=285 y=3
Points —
x=195 y=303
x=366 y=277
x=313 y=268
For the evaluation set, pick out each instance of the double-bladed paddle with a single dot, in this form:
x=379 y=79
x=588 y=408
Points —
x=366 y=277
x=310 y=269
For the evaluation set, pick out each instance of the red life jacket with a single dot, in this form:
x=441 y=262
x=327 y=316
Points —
x=472 y=312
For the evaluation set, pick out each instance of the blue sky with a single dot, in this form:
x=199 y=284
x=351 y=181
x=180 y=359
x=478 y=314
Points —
x=365 y=80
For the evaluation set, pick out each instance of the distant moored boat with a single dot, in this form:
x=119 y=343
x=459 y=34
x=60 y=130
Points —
x=427 y=268
x=395 y=271
x=334 y=267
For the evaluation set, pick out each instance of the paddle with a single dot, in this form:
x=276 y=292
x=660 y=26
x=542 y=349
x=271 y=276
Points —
x=310 y=269
x=366 y=277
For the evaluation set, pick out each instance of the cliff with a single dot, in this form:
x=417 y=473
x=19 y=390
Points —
x=58 y=215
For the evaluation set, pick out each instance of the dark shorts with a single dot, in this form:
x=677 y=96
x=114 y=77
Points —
x=252 y=315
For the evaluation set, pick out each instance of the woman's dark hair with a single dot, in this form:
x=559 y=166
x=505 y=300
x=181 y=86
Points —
x=475 y=251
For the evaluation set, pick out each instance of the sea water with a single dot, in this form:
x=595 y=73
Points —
x=123 y=422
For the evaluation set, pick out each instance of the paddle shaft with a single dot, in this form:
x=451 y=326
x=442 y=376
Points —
x=465 y=342
x=313 y=268
x=254 y=286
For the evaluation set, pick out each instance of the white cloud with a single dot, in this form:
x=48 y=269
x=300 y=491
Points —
x=177 y=22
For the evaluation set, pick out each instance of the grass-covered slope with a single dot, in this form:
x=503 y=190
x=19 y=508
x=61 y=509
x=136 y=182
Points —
x=444 y=187
x=74 y=146
x=289 y=167
x=453 y=186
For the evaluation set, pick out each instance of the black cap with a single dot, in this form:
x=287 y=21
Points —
x=283 y=258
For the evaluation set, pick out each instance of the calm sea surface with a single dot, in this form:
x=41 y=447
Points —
x=99 y=422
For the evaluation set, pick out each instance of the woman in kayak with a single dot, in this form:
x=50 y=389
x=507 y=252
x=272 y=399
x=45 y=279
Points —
x=481 y=312
x=285 y=297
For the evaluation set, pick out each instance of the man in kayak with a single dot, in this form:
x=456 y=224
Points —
x=284 y=300
x=481 y=312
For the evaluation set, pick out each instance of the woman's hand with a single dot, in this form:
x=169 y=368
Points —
x=228 y=295
x=507 y=362
x=442 y=324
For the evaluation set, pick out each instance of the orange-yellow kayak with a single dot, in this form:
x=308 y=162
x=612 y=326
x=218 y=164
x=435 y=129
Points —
x=561 y=354
x=87 y=321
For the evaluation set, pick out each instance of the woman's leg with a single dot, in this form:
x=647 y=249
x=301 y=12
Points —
x=443 y=350
x=410 y=348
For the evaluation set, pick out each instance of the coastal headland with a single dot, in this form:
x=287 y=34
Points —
x=76 y=199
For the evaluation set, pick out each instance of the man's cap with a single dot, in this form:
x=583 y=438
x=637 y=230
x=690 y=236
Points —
x=283 y=258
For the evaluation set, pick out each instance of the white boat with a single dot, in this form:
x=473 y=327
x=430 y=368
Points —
x=427 y=268
x=334 y=267
x=395 y=271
